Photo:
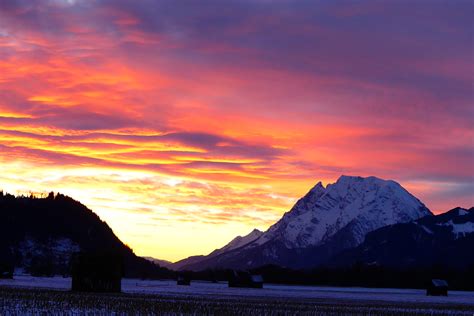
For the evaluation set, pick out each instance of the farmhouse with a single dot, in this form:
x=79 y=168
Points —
x=6 y=271
x=245 y=279
x=96 y=272
x=183 y=279
x=437 y=287
x=7 y=261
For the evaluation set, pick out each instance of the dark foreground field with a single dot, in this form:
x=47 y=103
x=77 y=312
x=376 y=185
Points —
x=24 y=301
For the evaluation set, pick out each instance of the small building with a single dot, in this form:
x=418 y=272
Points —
x=6 y=271
x=437 y=287
x=96 y=273
x=7 y=262
x=183 y=279
x=245 y=279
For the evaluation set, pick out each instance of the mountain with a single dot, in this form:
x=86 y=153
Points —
x=238 y=242
x=324 y=222
x=160 y=262
x=443 y=240
x=39 y=235
x=235 y=243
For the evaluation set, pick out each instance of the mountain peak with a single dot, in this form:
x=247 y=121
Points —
x=364 y=203
x=460 y=211
x=317 y=190
x=255 y=231
x=352 y=180
x=318 y=186
x=345 y=177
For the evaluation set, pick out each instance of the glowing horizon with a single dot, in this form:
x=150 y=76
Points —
x=183 y=125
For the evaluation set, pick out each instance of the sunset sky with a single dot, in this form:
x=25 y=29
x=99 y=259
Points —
x=185 y=123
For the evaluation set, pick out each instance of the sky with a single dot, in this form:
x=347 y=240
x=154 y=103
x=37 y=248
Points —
x=183 y=124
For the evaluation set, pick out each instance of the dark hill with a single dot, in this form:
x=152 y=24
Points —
x=40 y=235
x=445 y=240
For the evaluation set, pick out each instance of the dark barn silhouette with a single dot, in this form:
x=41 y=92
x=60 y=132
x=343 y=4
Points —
x=245 y=279
x=183 y=279
x=96 y=272
x=6 y=271
x=7 y=261
x=437 y=287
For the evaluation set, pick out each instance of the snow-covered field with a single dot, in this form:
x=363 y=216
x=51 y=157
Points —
x=164 y=287
x=206 y=295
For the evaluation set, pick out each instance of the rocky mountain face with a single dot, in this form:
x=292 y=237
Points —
x=39 y=235
x=324 y=222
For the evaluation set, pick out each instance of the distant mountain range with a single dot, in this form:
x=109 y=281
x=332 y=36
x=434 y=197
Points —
x=39 y=235
x=235 y=243
x=347 y=222
x=355 y=220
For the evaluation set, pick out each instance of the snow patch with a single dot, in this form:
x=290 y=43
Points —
x=460 y=230
x=426 y=229
x=58 y=251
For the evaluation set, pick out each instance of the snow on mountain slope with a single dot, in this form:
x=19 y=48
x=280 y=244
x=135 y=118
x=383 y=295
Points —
x=461 y=229
x=460 y=221
x=368 y=202
x=56 y=250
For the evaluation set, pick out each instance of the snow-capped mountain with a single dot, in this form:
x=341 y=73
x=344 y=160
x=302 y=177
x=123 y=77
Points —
x=325 y=221
x=444 y=240
x=365 y=203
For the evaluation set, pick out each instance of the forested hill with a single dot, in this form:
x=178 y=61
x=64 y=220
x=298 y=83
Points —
x=40 y=235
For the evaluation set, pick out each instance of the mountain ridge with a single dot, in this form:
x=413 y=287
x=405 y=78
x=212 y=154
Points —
x=237 y=242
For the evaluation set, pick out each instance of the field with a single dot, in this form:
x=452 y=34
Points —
x=39 y=296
